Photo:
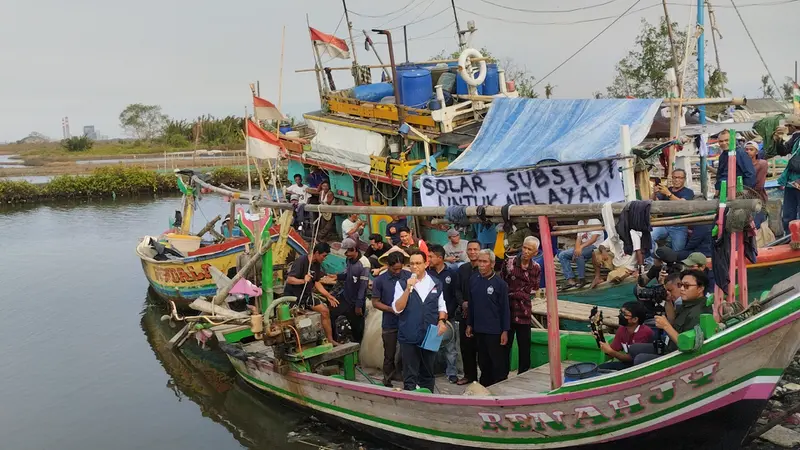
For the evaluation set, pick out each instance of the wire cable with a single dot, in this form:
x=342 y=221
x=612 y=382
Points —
x=549 y=11
x=598 y=19
x=574 y=22
x=381 y=15
x=588 y=43
x=420 y=20
x=778 y=89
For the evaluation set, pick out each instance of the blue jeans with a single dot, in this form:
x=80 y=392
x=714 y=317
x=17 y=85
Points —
x=791 y=207
x=451 y=354
x=565 y=257
x=677 y=236
x=454 y=265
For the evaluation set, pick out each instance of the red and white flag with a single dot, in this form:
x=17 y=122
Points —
x=261 y=143
x=265 y=109
x=335 y=47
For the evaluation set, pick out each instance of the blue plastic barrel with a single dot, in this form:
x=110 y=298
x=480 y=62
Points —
x=285 y=128
x=580 y=371
x=491 y=85
x=373 y=92
x=415 y=87
x=400 y=69
x=461 y=85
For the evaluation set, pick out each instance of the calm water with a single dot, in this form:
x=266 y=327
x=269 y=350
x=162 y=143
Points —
x=83 y=364
x=35 y=179
x=7 y=161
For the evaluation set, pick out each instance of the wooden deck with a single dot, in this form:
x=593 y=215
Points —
x=574 y=311
x=534 y=381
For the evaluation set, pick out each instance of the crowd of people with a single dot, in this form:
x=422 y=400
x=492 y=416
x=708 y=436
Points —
x=418 y=286
x=486 y=302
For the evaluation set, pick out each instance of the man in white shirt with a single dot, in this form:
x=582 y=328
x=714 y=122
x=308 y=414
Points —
x=419 y=303
x=352 y=227
x=299 y=189
x=455 y=251
x=610 y=254
x=585 y=243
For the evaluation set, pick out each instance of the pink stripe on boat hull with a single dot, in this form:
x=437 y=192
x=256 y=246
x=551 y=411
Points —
x=541 y=398
x=761 y=391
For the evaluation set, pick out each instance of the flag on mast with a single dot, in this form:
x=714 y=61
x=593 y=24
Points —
x=335 y=47
x=265 y=109
x=261 y=143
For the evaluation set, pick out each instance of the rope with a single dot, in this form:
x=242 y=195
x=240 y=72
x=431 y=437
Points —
x=314 y=236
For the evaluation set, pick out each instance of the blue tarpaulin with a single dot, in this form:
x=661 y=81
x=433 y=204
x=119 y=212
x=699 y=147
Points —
x=522 y=132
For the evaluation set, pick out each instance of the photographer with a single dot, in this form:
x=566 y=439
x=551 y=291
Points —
x=678 y=319
x=654 y=297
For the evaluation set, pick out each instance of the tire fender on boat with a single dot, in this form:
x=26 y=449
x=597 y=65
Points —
x=466 y=70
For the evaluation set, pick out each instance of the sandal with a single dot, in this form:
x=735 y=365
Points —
x=463 y=381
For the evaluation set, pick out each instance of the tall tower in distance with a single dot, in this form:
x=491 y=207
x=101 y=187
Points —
x=65 y=127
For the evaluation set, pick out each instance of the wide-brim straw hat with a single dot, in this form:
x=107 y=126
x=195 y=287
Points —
x=394 y=249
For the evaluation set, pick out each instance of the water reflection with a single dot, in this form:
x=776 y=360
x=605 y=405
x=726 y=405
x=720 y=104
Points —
x=206 y=378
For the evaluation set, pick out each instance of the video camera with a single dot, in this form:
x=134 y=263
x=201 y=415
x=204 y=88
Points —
x=654 y=297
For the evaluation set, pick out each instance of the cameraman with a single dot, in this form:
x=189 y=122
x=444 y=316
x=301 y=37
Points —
x=678 y=319
x=654 y=297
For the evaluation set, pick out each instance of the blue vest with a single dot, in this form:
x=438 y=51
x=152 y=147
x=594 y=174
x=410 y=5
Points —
x=415 y=319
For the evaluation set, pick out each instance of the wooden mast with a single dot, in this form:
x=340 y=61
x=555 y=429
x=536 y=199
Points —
x=551 y=293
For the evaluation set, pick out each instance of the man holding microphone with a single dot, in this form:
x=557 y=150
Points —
x=419 y=303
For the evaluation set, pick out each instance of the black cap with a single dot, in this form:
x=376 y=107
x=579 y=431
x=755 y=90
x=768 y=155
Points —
x=666 y=254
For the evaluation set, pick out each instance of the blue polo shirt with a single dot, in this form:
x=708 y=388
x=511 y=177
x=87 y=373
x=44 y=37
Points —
x=450 y=288
x=356 y=280
x=383 y=288
x=489 y=312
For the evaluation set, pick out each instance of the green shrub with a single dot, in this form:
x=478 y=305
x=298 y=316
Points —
x=77 y=143
x=107 y=181
x=18 y=191
x=230 y=176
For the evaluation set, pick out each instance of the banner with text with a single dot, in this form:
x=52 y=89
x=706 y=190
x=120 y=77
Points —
x=568 y=184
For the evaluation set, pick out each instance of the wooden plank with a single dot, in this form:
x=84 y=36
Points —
x=576 y=311
x=336 y=352
x=530 y=382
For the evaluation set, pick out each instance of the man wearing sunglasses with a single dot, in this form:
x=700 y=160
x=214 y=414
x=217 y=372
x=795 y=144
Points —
x=685 y=317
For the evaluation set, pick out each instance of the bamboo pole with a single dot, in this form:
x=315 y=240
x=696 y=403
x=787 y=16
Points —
x=383 y=66
x=737 y=101
x=222 y=294
x=559 y=211
x=280 y=73
x=690 y=219
x=317 y=67
x=208 y=226
x=656 y=223
x=247 y=150
x=551 y=293
x=731 y=196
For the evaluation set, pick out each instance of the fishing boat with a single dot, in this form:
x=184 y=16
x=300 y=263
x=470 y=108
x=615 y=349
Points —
x=178 y=265
x=718 y=382
x=705 y=395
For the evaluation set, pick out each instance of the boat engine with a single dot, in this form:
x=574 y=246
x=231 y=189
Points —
x=294 y=332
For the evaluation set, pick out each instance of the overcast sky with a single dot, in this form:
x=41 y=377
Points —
x=88 y=59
